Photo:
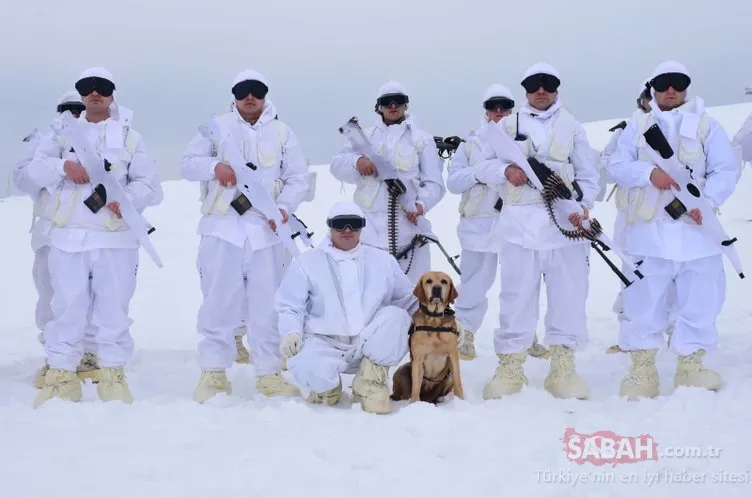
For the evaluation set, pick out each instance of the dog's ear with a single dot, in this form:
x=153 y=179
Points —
x=420 y=292
x=453 y=294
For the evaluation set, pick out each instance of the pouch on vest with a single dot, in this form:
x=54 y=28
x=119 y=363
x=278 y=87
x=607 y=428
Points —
x=473 y=199
x=642 y=204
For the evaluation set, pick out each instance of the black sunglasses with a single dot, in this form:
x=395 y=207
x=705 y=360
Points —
x=502 y=103
x=250 y=87
x=548 y=82
x=73 y=107
x=340 y=223
x=678 y=81
x=103 y=87
x=398 y=99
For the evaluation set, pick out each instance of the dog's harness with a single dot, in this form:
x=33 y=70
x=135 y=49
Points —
x=427 y=328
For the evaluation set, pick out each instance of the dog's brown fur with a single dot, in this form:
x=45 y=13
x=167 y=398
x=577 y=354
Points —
x=434 y=367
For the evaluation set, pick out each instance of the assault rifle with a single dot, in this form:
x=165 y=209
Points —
x=107 y=189
x=558 y=197
x=386 y=171
x=446 y=147
x=300 y=229
x=689 y=196
x=252 y=191
x=404 y=191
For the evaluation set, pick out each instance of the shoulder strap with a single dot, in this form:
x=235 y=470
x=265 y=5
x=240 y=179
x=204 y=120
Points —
x=131 y=140
x=703 y=128
x=567 y=118
x=283 y=132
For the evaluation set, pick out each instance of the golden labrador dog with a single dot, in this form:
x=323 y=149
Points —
x=434 y=367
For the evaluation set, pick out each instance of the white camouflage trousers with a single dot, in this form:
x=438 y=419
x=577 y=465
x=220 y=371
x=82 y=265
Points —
x=238 y=284
x=565 y=272
x=479 y=270
x=699 y=294
x=322 y=359
x=40 y=272
x=94 y=287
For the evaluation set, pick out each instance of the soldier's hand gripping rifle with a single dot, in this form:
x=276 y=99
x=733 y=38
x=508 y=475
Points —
x=689 y=196
x=558 y=197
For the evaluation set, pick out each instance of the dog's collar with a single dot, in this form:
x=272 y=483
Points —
x=447 y=311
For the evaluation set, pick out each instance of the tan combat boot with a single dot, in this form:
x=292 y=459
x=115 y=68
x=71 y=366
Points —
x=691 y=373
x=275 y=385
x=242 y=354
x=210 y=384
x=509 y=377
x=370 y=389
x=538 y=350
x=563 y=381
x=40 y=374
x=113 y=386
x=642 y=379
x=58 y=383
x=89 y=368
x=330 y=397
x=467 y=350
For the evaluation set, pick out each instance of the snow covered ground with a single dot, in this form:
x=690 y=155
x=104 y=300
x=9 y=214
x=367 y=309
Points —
x=166 y=445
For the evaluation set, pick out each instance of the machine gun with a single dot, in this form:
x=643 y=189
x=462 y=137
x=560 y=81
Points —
x=447 y=146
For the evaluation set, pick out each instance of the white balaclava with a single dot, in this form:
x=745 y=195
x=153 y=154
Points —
x=540 y=68
x=101 y=72
x=345 y=208
x=70 y=97
x=666 y=68
x=391 y=88
x=248 y=75
x=495 y=91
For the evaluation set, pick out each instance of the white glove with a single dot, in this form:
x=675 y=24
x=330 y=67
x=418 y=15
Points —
x=461 y=335
x=290 y=345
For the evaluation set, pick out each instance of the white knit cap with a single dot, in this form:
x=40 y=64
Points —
x=70 y=96
x=497 y=91
x=345 y=208
x=540 y=68
x=391 y=88
x=97 y=72
x=250 y=75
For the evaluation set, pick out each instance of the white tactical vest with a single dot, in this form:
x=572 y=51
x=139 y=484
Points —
x=216 y=199
x=49 y=206
x=556 y=157
x=480 y=199
x=644 y=204
x=406 y=159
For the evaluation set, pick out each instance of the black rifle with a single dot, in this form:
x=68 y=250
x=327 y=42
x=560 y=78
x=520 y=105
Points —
x=420 y=241
x=621 y=125
x=548 y=178
x=447 y=146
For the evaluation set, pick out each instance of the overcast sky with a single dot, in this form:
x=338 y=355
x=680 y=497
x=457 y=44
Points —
x=174 y=61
